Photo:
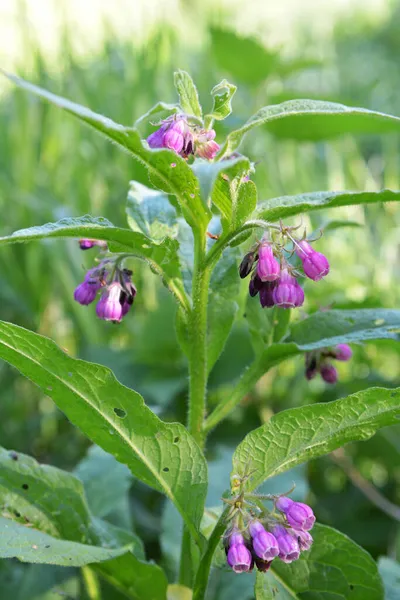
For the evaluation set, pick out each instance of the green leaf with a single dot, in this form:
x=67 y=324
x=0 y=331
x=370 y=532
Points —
x=389 y=570
x=168 y=170
x=106 y=481
x=188 y=96
x=158 y=112
x=163 y=455
x=298 y=435
x=224 y=179
x=150 y=212
x=208 y=173
x=31 y=545
x=222 y=96
x=335 y=567
x=313 y=120
x=244 y=202
x=242 y=57
x=288 y=206
x=161 y=256
x=334 y=224
x=332 y=327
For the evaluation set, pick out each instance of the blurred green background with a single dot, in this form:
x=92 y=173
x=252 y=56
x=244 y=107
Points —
x=118 y=58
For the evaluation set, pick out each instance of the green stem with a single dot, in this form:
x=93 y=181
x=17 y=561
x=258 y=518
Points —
x=198 y=343
x=91 y=583
x=186 y=562
x=233 y=397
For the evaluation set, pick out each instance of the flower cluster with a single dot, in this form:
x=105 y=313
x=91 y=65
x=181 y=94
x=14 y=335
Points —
x=184 y=138
x=258 y=540
x=273 y=277
x=319 y=361
x=117 y=290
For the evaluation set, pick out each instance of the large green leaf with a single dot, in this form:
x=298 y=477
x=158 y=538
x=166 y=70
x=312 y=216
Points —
x=188 y=96
x=31 y=545
x=345 y=326
x=163 y=455
x=168 y=170
x=335 y=567
x=298 y=435
x=288 y=206
x=162 y=256
x=313 y=120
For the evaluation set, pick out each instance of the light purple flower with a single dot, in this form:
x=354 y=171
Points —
x=239 y=557
x=298 y=514
x=174 y=134
x=315 y=264
x=109 y=307
x=329 y=373
x=268 y=268
x=289 y=549
x=86 y=292
x=343 y=352
x=264 y=543
x=288 y=293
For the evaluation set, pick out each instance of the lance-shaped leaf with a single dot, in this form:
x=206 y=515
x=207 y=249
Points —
x=345 y=326
x=31 y=545
x=222 y=96
x=168 y=170
x=298 y=435
x=335 y=567
x=288 y=206
x=313 y=120
x=159 y=111
x=163 y=455
x=188 y=96
x=162 y=256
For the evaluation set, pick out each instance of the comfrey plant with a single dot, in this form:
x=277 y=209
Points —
x=188 y=225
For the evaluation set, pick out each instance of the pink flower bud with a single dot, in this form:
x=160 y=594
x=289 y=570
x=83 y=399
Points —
x=315 y=264
x=329 y=373
x=343 y=352
x=268 y=268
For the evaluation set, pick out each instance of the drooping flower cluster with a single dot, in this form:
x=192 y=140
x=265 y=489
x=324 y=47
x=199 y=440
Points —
x=115 y=283
x=178 y=134
x=273 y=277
x=319 y=361
x=258 y=540
x=256 y=536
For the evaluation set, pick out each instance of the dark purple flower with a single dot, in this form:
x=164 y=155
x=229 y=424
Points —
x=329 y=373
x=86 y=244
x=288 y=293
x=289 y=549
x=262 y=565
x=239 y=557
x=109 y=307
x=255 y=286
x=268 y=268
x=315 y=264
x=264 y=543
x=304 y=539
x=86 y=292
x=343 y=352
x=128 y=293
x=312 y=366
x=266 y=294
x=298 y=514
x=246 y=265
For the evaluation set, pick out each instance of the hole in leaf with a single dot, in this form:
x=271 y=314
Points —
x=176 y=440
x=48 y=546
x=120 y=413
x=17 y=514
x=379 y=322
x=69 y=374
x=166 y=469
x=13 y=455
x=351 y=587
x=25 y=486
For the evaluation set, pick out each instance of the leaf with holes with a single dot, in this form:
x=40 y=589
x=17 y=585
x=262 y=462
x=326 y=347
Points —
x=162 y=256
x=163 y=455
x=31 y=545
x=334 y=567
x=332 y=327
x=167 y=170
x=298 y=435
x=288 y=206
x=222 y=96
x=313 y=120
x=188 y=96
x=150 y=212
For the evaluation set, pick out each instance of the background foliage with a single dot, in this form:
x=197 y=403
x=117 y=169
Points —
x=50 y=167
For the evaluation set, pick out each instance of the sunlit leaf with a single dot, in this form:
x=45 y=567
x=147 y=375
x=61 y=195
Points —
x=222 y=96
x=188 y=96
x=150 y=212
